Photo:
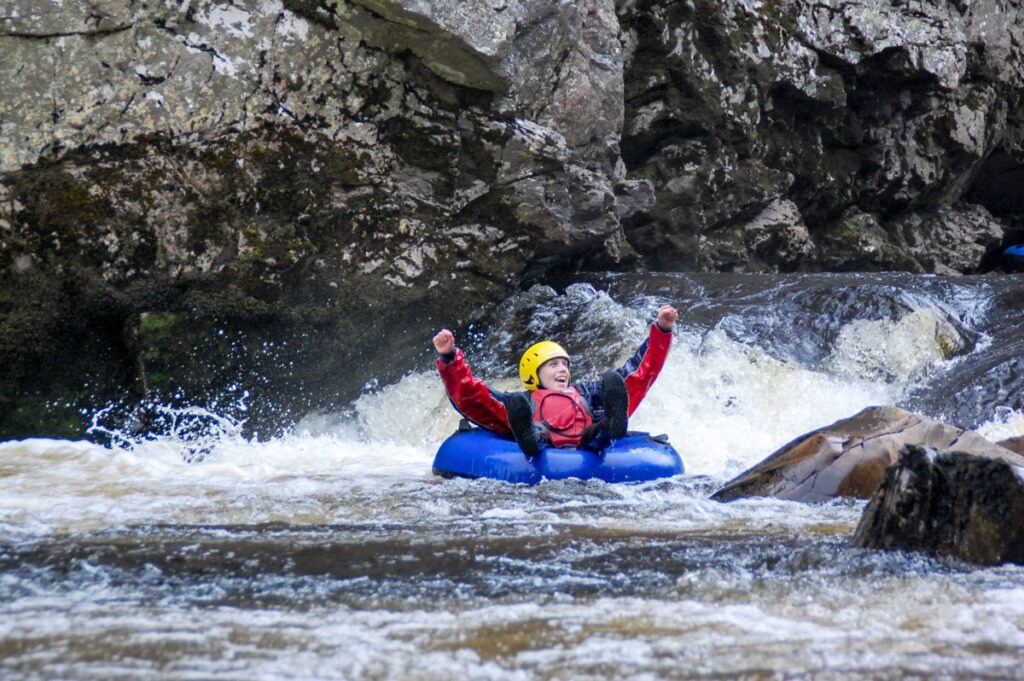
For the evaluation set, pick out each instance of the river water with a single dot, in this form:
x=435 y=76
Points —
x=334 y=553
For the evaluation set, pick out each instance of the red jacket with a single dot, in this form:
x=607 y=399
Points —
x=485 y=407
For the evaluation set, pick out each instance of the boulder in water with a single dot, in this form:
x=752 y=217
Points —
x=949 y=503
x=1014 y=444
x=849 y=457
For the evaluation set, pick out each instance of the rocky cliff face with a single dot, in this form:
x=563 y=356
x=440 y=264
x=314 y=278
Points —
x=837 y=135
x=197 y=196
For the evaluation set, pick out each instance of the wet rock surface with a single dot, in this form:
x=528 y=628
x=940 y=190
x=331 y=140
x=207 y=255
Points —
x=849 y=458
x=283 y=194
x=1014 y=444
x=292 y=197
x=853 y=114
x=949 y=503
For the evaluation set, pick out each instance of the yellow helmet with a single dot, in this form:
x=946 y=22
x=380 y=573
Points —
x=537 y=354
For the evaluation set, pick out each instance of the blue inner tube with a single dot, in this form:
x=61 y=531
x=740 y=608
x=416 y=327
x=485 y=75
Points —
x=1014 y=251
x=481 y=453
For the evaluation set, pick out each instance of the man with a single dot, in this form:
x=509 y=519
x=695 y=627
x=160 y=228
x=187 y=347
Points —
x=552 y=411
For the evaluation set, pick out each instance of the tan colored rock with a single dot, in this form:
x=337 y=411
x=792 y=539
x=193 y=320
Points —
x=1014 y=444
x=849 y=457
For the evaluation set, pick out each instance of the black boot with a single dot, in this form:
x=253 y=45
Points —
x=520 y=420
x=616 y=404
x=592 y=438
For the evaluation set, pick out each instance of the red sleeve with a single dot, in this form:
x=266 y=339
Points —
x=640 y=380
x=471 y=396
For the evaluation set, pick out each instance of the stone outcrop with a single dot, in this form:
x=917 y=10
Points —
x=949 y=503
x=288 y=198
x=849 y=457
x=864 y=119
x=279 y=194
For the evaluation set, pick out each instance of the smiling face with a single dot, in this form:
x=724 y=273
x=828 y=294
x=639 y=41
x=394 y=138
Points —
x=554 y=374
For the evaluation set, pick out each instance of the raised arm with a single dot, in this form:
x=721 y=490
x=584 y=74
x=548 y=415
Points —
x=470 y=396
x=444 y=342
x=667 y=317
x=641 y=370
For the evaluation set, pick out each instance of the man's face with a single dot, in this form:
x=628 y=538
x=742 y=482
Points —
x=554 y=374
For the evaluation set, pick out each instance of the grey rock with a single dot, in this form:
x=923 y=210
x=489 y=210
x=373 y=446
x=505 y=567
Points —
x=947 y=240
x=255 y=170
x=863 y=114
x=949 y=503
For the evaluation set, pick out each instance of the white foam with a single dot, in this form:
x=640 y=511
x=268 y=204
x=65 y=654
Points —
x=727 y=406
x=1005 y=423
x=550 y=605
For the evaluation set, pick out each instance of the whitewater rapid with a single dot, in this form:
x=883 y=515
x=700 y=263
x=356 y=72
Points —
x=332 y=551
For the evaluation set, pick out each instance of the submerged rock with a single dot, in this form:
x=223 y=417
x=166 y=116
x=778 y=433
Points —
x=849 y=457
x=949 y=503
